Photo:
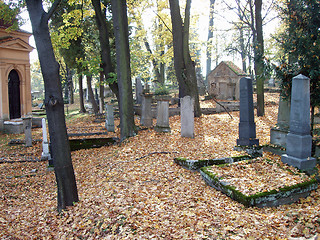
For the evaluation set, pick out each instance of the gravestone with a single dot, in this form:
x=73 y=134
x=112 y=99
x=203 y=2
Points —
x=187 y=117
x=247 y=127
x=299 y=140
x=27 y=125
x=96 y=96
x=163 y=114
x=271 y=82
x=278 y=134
x=109 y=118
x=146 y=110
x=45 y=144
x=139 y=89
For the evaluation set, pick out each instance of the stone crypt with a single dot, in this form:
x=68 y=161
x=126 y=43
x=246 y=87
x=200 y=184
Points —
x=15 y=82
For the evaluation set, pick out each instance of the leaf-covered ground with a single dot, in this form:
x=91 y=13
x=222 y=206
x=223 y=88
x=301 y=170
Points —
x=135 y=191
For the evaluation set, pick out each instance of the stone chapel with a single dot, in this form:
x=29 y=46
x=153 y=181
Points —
x=15 y=82
x=224 y=81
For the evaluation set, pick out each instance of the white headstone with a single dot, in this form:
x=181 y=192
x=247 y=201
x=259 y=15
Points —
x=45 y=145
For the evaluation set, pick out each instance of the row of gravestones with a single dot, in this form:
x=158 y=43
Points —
x=162 y=125
x=298 y=140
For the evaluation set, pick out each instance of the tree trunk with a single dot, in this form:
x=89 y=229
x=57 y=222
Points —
x=70 y=85
x=66 y=182
x=184 y=66
x=210 y=38
x=258 y=54
x=120 y=22
x=105 y=46
x=82 y=108
x=101 y=93
x=94 y=104
x=154 y=62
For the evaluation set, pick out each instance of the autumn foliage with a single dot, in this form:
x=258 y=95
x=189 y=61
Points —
x=135 y=191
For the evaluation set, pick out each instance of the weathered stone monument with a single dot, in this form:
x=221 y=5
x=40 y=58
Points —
x=139 y=90
x=163 y=114
x=247 y=127
x=45 y=144
x=27 y=125
x=109 y=118
x=278 y=134
x=299 y=140
x=146 y=109
x=187 y=117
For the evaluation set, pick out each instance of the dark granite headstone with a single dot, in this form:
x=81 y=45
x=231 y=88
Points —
x=299 y=140
x=247 y=127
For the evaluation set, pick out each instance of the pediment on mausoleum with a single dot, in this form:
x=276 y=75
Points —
x=15 y=44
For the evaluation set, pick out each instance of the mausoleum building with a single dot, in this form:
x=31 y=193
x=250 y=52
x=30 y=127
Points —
x=15 y=83
x=224 y=81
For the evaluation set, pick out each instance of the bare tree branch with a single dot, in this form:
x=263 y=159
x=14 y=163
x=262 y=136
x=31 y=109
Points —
x=163 y=21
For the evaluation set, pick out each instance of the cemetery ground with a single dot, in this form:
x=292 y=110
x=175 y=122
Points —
x=134 y=190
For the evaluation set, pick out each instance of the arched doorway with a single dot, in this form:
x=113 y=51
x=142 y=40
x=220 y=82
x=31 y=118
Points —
x=14 y=95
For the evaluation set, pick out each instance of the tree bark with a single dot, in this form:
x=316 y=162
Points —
x=94 y=104
x=105 y=45
x=66 y=182
x=82 y=108
x=258 y=54
x=120 y=23
x=184 y=66
x=101 y=93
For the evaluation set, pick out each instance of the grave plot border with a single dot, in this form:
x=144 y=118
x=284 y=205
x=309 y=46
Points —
x=195 y=165
x=284 y=195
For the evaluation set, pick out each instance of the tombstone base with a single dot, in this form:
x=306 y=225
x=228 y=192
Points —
x=302 y=164
x=146 y=122
x=299 y=146
x=45 y=156
x=110 y=128
x=278 y=137
x=162 y=129
x=247 y=142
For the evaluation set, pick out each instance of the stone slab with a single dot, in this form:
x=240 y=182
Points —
x=305 y=164
x=13 y=127
x=195 y=165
